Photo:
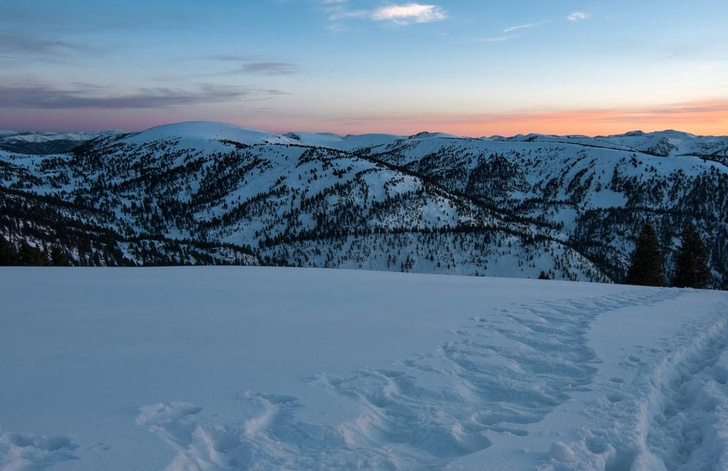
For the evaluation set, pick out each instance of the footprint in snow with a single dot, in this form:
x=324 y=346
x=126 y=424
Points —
x=24 y=451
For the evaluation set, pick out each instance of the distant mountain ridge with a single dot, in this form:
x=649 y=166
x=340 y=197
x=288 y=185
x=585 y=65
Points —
x=660 y=143
x=204 y=192
x=46 y=142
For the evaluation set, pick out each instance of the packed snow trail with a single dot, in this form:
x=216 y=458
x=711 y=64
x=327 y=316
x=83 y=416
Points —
x=503 y=372
x=283 y=369
x=668 y=407
x=687 y=425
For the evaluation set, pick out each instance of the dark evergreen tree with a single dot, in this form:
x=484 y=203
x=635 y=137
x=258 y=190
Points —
x=691 y=262
x=543 y=276
x=8 y=255
x=32 y=256
x=647 y=263
x=59 y=257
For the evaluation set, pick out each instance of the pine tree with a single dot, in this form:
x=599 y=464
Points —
x=691 y=261
x=59 y=257
x=647 y=263
x=8 y=254
x=32 y=256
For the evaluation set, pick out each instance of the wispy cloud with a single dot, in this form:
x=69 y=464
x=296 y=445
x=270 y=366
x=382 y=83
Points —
x=525 y=26
x=410 y=13
x=257 y=65
x=339 y=11
x=498 y=39
x=507 y=36
x=49 y=97
x=23 y=46
x=269 y=68
x=578 y=16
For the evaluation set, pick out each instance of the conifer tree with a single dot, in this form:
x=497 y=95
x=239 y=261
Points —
x=8 y=254
x=59 y=258
x=647 y=263
x=691 y=262
x=32 y=256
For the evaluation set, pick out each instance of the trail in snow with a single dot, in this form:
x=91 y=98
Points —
x=504 y=371
x=687 y=418
x=667 y=410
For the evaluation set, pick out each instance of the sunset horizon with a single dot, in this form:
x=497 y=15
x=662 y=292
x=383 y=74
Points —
x=362 y=66
x=694 y=118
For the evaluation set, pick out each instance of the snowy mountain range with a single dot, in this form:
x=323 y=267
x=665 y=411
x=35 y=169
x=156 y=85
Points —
x=214 y=193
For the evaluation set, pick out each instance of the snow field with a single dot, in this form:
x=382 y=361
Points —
x=289 y=369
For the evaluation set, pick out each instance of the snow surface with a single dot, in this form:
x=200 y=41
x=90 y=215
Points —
x=291 y=369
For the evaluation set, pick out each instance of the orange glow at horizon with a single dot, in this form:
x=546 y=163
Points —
x=703 y=118
x=700 y=117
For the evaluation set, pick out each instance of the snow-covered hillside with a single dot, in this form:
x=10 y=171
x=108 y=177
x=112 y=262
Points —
x=662 y=144
x=200 y=135
x=289 y=369
x=214 y=193
x=46 y=142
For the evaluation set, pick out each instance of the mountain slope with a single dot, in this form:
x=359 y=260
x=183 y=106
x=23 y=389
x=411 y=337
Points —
x=568 y=206
x=596 y=196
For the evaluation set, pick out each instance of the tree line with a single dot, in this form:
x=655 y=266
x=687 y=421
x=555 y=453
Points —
x=30 y=256
x=647 y=263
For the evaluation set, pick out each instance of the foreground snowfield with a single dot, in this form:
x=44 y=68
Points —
x=286 y=369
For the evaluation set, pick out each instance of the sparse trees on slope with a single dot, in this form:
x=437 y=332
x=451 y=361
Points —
x=647 y=262
x=691 y=262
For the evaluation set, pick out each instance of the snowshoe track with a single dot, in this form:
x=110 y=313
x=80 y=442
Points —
x=501 y=372
x=672 y=416
x=686 y=419
x=26 y=452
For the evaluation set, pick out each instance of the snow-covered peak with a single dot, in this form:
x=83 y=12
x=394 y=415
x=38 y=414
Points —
x=657 y=135
x=433 y=135
x=315 y=139
x=669 y=143
x=346 y=143
x=196 y=132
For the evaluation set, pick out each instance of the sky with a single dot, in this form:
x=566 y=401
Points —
x=466 y=67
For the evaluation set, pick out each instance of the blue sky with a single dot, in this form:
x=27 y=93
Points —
x=353 y=66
